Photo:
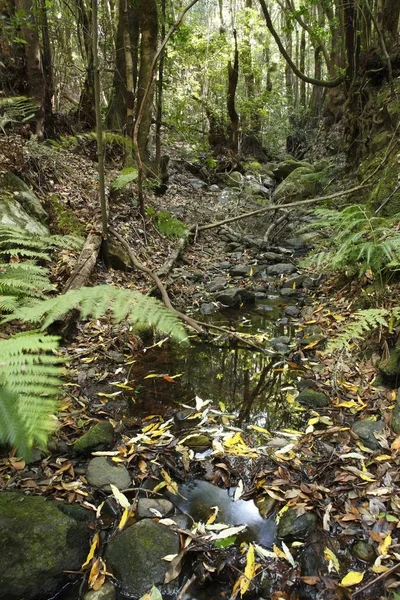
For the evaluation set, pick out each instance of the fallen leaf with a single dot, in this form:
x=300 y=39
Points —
x=352 y=578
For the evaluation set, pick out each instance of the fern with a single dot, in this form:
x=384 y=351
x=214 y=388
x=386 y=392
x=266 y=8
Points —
x=30 y=379
x=19 y=242
x=362 y=323
x=95 y=302
x=109 y=137
x=169 y=226
x=125 y=177
x=357 y=242
x=17 y=109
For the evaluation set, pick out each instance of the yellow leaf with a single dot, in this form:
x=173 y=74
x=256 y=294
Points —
x=248 y=571
x=213 y=515
x=383 y=457
x=124 y=518
x=312 y=345
x=396 y=443
x=278 y=552
x=352 y=578
x=331 y=558
x=120 y=497
x=260 y=429
x=385 y=545
x=379 y=569
x=92 y=550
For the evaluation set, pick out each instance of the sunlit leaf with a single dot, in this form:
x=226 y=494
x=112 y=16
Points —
x=333 y=562
x=249 y=570
x=352 y=578
x=385 y=545
x=95 y=543
x=120 y=497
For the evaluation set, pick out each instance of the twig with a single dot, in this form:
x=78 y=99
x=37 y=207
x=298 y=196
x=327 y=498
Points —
x=280 y=206
x=375 y=581
x=185 y=587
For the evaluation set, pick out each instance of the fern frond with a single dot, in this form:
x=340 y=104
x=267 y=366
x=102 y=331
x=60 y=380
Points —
x=24 y=279
x=17 y=109
x=362 y=322
x=95 y=302
x=109 y=137
x=30 y=379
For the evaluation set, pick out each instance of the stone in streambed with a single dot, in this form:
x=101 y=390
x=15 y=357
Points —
x=292 y=311
x=40 y=540
x=292 y=526
x=106 y=592
x=101 y=472
x=98 y=437
x=281 y=269
x=207 y=309
x=240 y=271
x=364 y=552
x=135 y=556
x=146 y=506
x=216 y=285
x=234 y=297
x=366 y=430
x=313 y=398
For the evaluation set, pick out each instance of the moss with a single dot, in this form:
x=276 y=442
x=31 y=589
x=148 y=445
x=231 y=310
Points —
x=100 y=434
x=390 y=367
x=301 y=183
x=313 y=398
x=64 y=219
x=380 y=141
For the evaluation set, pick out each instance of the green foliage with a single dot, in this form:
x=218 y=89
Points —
x=109 y=138
x=356 y=241
x=125 y=177
x=364 y=322
x=30 y=379
x=95 y=302
x=17 y=109
x=64 y=219
x=169 y=225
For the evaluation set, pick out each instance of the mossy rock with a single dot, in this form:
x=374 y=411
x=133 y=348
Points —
x=395 y=422
x=364 y=552
x=380 y=141
x=385 y=181
x=99 y=436
x=293 y=527
x=285 y=168
x=301 y=183
x=39 y=541
x=313 y=398
x=64 y=220
x=26 y=198
x=389 y=368
x=366 y=432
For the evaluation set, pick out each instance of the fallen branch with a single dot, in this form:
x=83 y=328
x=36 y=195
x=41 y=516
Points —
x=85 y=264
x=375 y=581
x=169 y=264
x=281 y=206
x=165 y=298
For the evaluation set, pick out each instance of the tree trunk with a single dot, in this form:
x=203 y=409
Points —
x=86 y=109
x=302 y=66
x=148 y=51
x=233 y=74
x=160 y=84
x=390 y=23
x=34 y=69
x=47 y=67
x=13 y=80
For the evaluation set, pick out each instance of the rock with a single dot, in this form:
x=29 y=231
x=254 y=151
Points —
x=234 y=297
x=290 y=292
x=29 y=202
x=280 y=348
x=135 y=556
x=295 y=281
x=285 y=168
x=395 y=422
x=227 y=195
x=146 y=506
x=273 y=257
x=40 y=539
x=223 y=265
x=281 y=269
x=265 y=505
x=118 y=256
x=98 y=437
x=213 y=188
x=282 y=339
x=197 y=184
x=301 y=183
x=106 y=592
x=101 y=472
x=197 y=440
x=268 y=183
x=295 y=527
x=240 y=271
x=260 y=295
x=208 y=309
x=312 y=564
x=390 y=367
x=234 y=179
x=12 y=214
x=263 y=309
x=313 y=398
x=292 y=311
x=365 y=431
x=364 y=552
x=216 y=285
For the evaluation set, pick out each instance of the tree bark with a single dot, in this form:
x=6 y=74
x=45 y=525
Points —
x=390 y=23
x=86 y=109
x=233 y=74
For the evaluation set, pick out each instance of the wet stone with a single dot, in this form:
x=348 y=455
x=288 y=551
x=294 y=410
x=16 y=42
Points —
x=296 y=527
x=216 y=285
x=99 y=436
x=364 y=552
x=106 y=592
x=260 y=295
x=101 y=472
x=147 y=506
x=281 y=269
x=208 y=309
x=292 y=311
x=240 y=271
x=365 y=431
x=225 y=264
x=263 y=309
x=313 y=398
x=213 y=188
x=290 y=292
x=234 y=297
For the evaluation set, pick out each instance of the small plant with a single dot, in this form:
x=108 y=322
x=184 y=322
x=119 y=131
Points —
x=169 y=225
x=357 y=242
x=125 y=177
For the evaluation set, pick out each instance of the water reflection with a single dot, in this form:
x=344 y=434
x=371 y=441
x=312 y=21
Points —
x=251 y=384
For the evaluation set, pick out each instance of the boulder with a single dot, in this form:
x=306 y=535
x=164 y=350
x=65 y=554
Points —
x=234 y=297
x=146 y=507
x=135 y=556
x=98 y=437
x=28 y=201
x=40 y=539
x=101 y=472
x=285 y=168
x=293 y=526
x=240 y=271
x=216 y=285
x=281 y=269
x=300 y=184
x=366 y=430
x=313 y=398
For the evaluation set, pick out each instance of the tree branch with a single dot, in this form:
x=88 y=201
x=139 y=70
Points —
x=320 y=82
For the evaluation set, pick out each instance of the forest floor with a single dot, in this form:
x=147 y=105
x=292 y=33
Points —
x=323 y=468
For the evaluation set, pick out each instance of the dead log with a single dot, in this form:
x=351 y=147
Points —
x=85 y=264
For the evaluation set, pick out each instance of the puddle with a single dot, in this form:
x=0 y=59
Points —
x=197 y=499
x=250 y=384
